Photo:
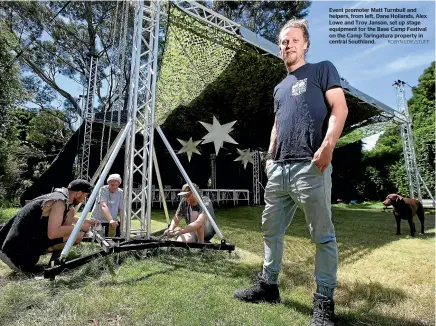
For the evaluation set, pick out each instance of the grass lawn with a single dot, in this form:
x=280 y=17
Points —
x=384 y=279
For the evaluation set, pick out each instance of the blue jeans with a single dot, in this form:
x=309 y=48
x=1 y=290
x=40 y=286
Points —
x=292 y=185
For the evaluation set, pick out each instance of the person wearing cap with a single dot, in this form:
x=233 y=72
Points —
x=43 y=225
x=110 y=203
x=198 y=228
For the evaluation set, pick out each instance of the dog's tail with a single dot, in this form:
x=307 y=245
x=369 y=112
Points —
x=420 y=211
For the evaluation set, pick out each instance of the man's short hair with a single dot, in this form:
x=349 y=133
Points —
x=186 y=189
x=80 y=185
x=299 y=23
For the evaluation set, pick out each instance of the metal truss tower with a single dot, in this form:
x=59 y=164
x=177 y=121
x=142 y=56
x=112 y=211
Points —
x=407 y=141
x=141 y=104
x=256 y=178
x=88 y=117
x=213 y=170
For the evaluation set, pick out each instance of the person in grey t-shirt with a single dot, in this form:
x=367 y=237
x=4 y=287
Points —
x=110 y=203
x=198 y=228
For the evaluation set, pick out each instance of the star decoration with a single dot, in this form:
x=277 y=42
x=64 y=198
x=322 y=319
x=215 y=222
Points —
x=245 y=156
x=218 y=134
x=189 y=147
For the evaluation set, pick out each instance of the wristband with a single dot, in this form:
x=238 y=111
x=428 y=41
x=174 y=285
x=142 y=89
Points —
x=269 y=156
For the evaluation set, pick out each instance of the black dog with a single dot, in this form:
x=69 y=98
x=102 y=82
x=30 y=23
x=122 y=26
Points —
x=406 y=208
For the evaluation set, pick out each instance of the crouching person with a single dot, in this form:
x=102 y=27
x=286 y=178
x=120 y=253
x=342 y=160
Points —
x=43 y=225
x=110 y=203
x=198 y=228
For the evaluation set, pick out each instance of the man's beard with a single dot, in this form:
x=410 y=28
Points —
x=290 y=62
x=75 y=202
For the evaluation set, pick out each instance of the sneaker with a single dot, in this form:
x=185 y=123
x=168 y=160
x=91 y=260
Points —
x=323 y=311
x=261 y=291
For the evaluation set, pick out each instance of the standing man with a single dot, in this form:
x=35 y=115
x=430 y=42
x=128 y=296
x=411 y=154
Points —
x=310 y=112
x=43 y=225
x=110 y=203
x=198 y=228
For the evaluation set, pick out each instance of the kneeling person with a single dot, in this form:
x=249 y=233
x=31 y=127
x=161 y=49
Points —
x=198 y=228
x=43 y=225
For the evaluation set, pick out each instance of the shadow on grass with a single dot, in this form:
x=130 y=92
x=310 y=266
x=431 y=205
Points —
x=13 y=276
x=368 y=296
x=77 y=278
x=360 y=298
x=371 y=294
x=133 y=281
x=359 y=316
x=195 y=260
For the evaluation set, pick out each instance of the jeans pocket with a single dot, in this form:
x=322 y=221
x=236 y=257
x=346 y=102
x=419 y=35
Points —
x=268 y=169
x=316 y=168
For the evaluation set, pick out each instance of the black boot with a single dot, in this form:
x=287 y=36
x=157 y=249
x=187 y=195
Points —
x=323 y=311
x=261 y=291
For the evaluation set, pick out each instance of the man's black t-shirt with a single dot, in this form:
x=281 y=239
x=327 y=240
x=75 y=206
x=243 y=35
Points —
x=302 y=111
x=24 y=237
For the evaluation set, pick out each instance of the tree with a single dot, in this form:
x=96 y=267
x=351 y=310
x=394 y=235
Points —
x=387 y=157
x=265 y=18
x=422 y=109
x=11 y=93
x=10 y=88
x=32 y=141
x=57 y=38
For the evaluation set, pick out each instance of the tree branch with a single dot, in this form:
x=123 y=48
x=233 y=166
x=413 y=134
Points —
x=53 y=84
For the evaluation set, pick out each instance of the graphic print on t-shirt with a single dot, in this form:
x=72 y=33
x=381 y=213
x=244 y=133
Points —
x=299 y=87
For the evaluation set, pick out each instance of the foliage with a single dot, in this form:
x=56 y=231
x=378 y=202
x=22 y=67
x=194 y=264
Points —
x=10 y=89
x=374 y=184
x=56 y=39
x=10 y=168
x=362 y=132
x=350 y=138
x=47 y=131
x=387 y=157
x=32 y=142
x=11 y=94
x=265 y=18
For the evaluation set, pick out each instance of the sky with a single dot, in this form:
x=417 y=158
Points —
x=371 y=68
